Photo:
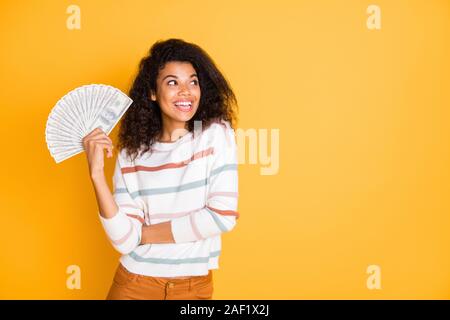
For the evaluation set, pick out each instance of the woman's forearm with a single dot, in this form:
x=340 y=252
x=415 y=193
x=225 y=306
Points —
x=157 y=233
x=106 y=204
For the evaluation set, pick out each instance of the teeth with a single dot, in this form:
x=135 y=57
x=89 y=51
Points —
x=183 y=103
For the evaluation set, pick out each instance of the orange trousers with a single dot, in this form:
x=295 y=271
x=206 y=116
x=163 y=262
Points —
x=130 y=286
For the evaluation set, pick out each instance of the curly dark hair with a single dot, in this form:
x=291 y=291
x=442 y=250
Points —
x=142 y=123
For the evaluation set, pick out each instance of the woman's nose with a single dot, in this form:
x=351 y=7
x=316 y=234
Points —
x=184 y=90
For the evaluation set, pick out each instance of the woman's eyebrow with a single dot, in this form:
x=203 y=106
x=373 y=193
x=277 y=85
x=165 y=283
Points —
x=171 y=75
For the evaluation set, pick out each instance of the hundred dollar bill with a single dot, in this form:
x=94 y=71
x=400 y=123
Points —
x=109 y=115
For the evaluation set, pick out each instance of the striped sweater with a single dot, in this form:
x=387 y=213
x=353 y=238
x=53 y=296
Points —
x=193 y=183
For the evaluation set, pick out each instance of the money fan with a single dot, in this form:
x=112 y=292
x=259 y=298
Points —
x=78 y=113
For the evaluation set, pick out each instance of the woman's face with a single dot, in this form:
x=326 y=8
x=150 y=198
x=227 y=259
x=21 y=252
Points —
x=178 y=92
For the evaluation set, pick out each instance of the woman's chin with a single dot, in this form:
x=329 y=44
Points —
x=182 y=117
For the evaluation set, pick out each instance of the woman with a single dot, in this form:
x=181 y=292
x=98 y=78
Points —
x=175 y=180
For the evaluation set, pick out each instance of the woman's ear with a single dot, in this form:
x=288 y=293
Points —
x=152 y=96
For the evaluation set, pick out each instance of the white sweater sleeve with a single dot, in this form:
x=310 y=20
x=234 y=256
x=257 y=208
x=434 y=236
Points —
x=124 y=230
x=220 y=213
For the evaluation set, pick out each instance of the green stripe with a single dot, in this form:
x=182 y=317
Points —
x=183 y=187
x=232 y=166
x=187 y=186
x=174 y=261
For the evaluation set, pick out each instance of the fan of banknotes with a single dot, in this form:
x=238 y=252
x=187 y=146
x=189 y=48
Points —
x=78 y=113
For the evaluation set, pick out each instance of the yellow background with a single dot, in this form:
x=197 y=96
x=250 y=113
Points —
x=363 y=115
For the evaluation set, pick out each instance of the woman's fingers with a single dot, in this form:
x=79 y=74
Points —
x=103 y=142
x=102 y=139
x=95 y=135
x=99 y=137
x=104 y=145
x=94 y=144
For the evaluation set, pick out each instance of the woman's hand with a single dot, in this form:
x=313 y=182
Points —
x=94 y=144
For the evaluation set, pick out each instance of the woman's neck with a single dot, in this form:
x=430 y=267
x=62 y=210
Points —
x=172 y=131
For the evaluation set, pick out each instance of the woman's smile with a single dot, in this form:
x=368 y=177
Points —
x=183 y=105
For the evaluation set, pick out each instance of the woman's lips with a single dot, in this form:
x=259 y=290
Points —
x=184 y=107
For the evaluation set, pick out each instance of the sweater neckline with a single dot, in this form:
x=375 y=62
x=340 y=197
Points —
x=171 y=145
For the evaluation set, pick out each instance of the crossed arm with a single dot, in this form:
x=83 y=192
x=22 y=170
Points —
x=157 y=233
x=123 y=218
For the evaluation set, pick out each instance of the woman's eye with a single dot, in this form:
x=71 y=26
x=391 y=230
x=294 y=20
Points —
x=194 y=81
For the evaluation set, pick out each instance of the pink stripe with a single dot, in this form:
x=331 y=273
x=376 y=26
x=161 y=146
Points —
x=171 y=165
x=173 y=215
x=135 y=216
x=223 y=194
x=194 y=228
x=125 y=238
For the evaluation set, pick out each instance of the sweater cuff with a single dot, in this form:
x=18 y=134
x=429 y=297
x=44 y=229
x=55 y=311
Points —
x=117 y=226
x=182 y=230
